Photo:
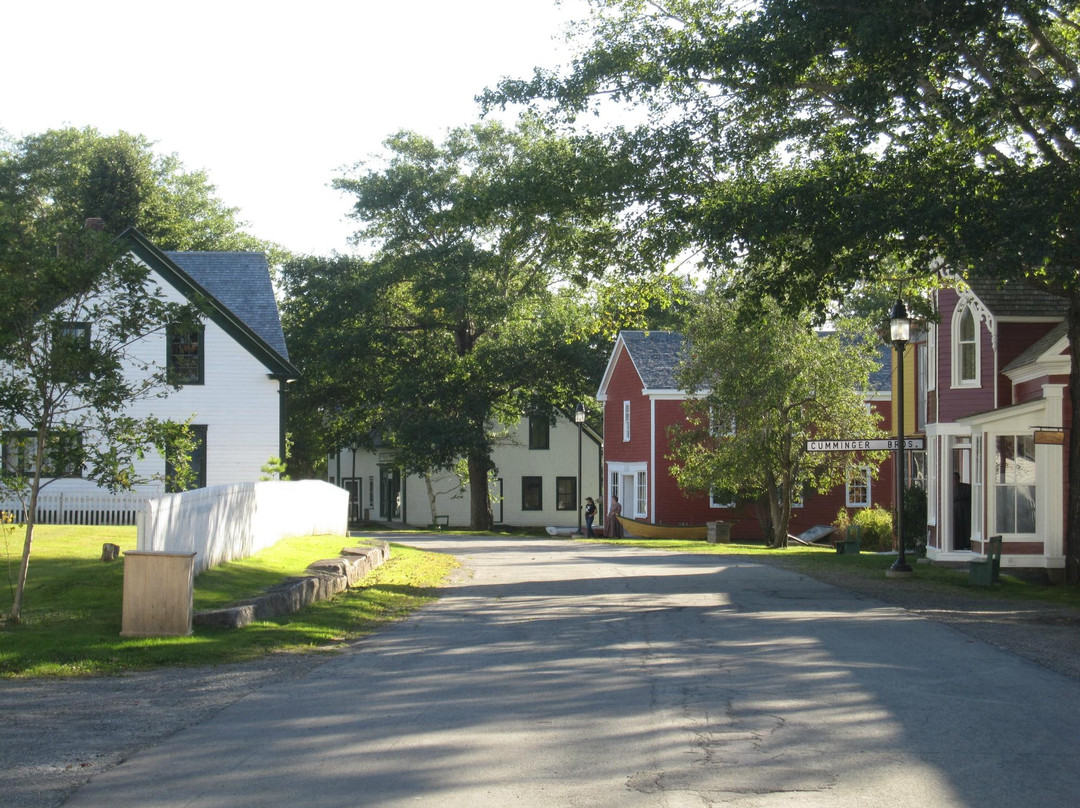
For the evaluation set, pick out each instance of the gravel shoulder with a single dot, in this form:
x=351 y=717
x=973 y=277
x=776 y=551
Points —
x=58 y=733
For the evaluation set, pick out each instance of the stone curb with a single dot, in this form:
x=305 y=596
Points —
x=328 y=577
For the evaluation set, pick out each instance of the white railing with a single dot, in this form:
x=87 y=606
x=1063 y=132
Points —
x=67 y=508
x=227 y=522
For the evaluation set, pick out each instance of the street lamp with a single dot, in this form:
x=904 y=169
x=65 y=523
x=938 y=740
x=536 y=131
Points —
x=579 y=419
x=900 y=333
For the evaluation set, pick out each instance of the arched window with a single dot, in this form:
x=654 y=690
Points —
x=965 y=349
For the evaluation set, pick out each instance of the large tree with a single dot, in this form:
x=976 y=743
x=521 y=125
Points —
x=56 y=180
x=818 y=143
x=749 y=420
x=466 y=311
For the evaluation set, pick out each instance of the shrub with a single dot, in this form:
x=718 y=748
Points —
x=877 y=528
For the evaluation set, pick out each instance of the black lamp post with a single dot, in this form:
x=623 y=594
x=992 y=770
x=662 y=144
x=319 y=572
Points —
x=900 y=333
x=579 y=419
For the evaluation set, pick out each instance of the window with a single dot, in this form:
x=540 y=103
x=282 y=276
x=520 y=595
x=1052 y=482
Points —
x=71 y=348
x=64 y=454
x=857 y=488
x=1014 y=484
x=371 y=491
x=532 y=493
x=641 y=494
x=539 y=433
x=626 y=421
x=720 y=500
x=187 y=359
x=615 y=485
x=197 y=464
x=566 y=493
x=965 y=349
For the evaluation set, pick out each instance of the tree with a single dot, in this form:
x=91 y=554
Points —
x=814 y=142
x=72 y=372
x=750 y=421
x=71 y=175
x=467 y=312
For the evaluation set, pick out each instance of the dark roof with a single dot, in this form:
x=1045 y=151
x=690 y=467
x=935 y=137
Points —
x=241 y=282
x=1016 y=299
x=881 y=378
x=656 y=355
x=1039 y=348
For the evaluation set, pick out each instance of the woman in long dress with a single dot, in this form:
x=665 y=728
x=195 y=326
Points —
x=614 y=526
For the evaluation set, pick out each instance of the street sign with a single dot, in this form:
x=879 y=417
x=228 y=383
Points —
x=872 y=445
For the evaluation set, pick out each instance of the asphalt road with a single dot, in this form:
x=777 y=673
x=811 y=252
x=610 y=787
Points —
x=560 y=674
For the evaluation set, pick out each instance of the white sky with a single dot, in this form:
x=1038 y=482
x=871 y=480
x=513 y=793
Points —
x=270 y=98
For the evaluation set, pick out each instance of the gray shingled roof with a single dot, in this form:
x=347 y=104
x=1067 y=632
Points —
x=1039 y=348
x=1015 y=299
x=241 y=282
x=656 y=355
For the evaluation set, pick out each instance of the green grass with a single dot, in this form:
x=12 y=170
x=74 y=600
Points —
x=824 y=562
x=73 y=604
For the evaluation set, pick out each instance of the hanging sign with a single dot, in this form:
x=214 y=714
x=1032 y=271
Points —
x=868 y=445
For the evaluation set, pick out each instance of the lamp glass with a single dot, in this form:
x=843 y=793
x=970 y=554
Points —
x=579 y=414
x=899 y=323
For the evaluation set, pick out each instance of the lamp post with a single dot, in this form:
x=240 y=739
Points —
x=900 y=333
x=579 y=419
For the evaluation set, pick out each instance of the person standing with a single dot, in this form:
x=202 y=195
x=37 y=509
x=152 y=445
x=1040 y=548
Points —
x=613 y=527
x=590 y=515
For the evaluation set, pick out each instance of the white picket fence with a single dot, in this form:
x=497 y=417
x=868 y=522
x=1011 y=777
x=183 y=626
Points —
x=67 y=508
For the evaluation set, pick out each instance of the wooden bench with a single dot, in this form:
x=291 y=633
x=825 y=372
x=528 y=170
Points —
x=850 y=545
x=986 y=571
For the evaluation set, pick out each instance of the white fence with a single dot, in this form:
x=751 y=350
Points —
x=227 y=522
x=66 y=508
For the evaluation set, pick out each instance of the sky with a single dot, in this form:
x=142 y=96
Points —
x=272 y=99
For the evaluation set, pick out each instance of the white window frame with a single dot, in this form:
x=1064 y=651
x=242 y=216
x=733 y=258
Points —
x=958 y=344
x=931 y=356
x=626 y=421
x=715 y=503
x=641 y=495
x=850 y=485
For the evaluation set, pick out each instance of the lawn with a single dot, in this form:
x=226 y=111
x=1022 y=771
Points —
x=73 y=604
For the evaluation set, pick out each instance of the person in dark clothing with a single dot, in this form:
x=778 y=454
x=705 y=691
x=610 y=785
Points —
x=961 y=514
x=590 y=515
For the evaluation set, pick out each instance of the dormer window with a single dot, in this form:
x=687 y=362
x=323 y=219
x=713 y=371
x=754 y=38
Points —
x=965 y=349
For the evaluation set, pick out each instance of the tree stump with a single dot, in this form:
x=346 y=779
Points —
x=110 y=552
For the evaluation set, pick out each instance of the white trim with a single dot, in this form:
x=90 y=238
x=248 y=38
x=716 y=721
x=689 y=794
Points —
x=626 y=421
x=963 y=308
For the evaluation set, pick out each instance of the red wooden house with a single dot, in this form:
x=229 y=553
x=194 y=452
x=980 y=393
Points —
x=642 y=401
x=993 y=379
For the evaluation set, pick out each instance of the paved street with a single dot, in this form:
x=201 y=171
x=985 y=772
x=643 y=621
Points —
x=561 y=674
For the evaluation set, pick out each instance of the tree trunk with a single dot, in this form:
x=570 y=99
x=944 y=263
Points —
x=28 y=541
x=1072 y=510
x=431 y=497
x=480 y=517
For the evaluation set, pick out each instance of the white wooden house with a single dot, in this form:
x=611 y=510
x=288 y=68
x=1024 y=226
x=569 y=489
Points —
x=236 y=369
x=535 y=482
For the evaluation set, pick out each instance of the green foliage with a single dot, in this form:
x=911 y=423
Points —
x=765 y=384
x=466 y=313
x=274 y=469
x=876 y=527
x=915 y=518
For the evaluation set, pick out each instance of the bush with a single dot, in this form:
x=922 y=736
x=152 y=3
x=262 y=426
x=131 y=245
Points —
x=915 y=519
x=877 y=528
x=876 y=524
